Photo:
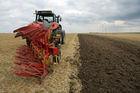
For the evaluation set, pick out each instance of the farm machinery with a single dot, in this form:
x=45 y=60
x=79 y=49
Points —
x=44 y=38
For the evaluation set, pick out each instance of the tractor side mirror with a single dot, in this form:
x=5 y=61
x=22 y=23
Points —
x=60 y=19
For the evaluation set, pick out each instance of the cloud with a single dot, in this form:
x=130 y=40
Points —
x=78 y=16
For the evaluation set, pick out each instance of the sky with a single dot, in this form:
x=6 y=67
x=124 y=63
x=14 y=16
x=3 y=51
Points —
x=78 y=16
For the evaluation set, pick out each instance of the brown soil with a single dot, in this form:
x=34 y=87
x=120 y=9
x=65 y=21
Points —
x=109 y=65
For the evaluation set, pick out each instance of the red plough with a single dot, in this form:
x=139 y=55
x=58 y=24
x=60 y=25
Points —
x=42 y=49
x=30 y=56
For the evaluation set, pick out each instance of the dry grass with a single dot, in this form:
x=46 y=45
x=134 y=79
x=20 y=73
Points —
x=8 y=45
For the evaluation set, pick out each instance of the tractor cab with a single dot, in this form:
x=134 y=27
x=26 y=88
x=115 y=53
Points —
x=48 y=16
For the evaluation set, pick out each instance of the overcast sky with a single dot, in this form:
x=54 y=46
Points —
x=78 y=15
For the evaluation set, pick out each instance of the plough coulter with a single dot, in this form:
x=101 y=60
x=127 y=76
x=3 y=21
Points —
x=44 y=38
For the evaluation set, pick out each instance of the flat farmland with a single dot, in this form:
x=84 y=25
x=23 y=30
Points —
x=90 y=63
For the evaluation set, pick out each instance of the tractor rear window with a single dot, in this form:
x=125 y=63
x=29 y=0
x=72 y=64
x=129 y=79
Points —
x=40 y=18
x=49 y=19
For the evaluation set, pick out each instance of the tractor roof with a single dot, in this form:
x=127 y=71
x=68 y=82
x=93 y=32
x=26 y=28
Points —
x=45 y=13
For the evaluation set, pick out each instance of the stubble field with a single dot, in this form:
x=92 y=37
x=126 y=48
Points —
x=91 y=63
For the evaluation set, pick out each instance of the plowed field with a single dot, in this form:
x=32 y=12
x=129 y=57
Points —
x=109 y=65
